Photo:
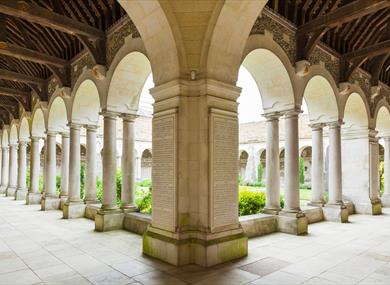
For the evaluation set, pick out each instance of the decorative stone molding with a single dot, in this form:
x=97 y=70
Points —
x=332 y=63
x=78 y=66
x=52 y=86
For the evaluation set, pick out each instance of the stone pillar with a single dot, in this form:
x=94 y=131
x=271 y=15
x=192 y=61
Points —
x=317 y=170
x=1 y=166
x=195 y=151
x=4 y=169
x=21 y=191
x=34 y=196
x=291 y=218
x=13 y=170
x=50 y=200
x=272 y=165
x=90 y=174
x=335 y=210
x=109 y=217
x=128 y=164
x=64 y=168
x=374 y=173
x=386 y=194
x=74 y=206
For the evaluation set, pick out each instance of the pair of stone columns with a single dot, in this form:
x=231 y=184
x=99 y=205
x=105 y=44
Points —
x=110 y=216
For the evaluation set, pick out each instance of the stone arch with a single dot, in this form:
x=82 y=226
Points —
x=38 y=123
x=306 y=154
x=382 y=119
x=229 y=36
x=321 y=101
x=152 y=23
x=13 y=133
x=242 y=162
x=126 y=83
x=146 y=164
x=58 y=115
x=24 y=129
x=85 y=104
x=273 y=73
x=356 y=113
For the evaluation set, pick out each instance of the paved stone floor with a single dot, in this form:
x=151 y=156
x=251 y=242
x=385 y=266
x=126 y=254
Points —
x=41 y=248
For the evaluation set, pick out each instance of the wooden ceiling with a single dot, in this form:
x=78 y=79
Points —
x=359 y=30
x=38 y=38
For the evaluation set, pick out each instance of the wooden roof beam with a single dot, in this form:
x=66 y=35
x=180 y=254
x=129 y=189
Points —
x=344 y=14
x=370 y=51
x=19 y=77
x=46 y=18
x=13 y=92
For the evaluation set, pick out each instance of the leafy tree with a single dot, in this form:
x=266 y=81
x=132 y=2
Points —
x=301 y=171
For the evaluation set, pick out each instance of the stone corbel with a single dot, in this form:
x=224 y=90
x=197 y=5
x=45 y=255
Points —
x=99 y=71
x=345 y=88
x=302 y=68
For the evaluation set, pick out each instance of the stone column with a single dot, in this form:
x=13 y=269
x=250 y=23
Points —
x=34 y=196
x=128 y=164
x=51 y=200
x=109 y=216
x=291 y=218
x=90 y=174
x=317 y=170
x=74 y=206
x=64 y=168
x=4 y=168
x=335 y=209
x=21 y=191
x=374 y=172
x=272 y=165
x=386 y=194
x=1 y=166
x=13 y=168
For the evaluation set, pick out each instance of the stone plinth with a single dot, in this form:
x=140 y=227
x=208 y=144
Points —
x=21 y=194
x=259 y=224
x=10 y=192
x=313 y=214
x=136 y=222
x=108 y=220
x=50 y=203
x=195 y=247
x=367 y=206
x=91 y=211
x=73 y=210
x=292 y=223
x=335 y=213
x=33 y=198
x=3 y=189
x=385 y=200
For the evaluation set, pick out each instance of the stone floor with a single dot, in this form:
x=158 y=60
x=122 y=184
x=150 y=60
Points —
x=41 y=248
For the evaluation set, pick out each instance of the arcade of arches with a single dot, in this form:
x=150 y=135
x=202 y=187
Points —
x=74 y=84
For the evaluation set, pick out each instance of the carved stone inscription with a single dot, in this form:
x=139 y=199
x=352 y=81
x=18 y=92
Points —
x=164 y=170
x=223 y=157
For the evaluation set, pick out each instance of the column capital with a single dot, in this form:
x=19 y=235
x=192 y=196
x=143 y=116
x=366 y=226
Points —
x=5 y=148
x=51 y=133
x=73 y=125
x=34 y=138
x=109 y=115
x=317 y=126
x=292 y=113
x=129 y=117
x=91 y=128
x=13 y=145
x=335 y=124
x=23 y=143
x=274 y=116
x=65 y=134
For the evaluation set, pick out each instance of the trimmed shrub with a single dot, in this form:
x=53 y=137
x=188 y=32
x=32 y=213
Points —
x=250 y=202
x=301 y=171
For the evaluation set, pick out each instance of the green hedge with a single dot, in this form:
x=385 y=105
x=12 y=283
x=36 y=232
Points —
x=252 y=202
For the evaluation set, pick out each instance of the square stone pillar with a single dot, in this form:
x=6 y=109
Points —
x=195 y=187
x=386 y=193
x=360 y=160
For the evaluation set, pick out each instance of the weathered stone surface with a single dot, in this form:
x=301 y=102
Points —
x=10 y=192
x=73 y=210
x=20 y=194
x=335 y=213
x=50 y=203
x=136 y=222
x=259 y=224
x=313 y=214
x=33 y=198
x=108 y=220
x=292 y=223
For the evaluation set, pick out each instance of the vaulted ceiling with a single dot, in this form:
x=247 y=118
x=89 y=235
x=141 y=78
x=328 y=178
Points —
x=359 y=30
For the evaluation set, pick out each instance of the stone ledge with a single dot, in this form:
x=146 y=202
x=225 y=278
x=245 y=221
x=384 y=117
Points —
x=91 y=211
x=136 y=222
x=33 y=198
x=313 y=214
x=259 y=224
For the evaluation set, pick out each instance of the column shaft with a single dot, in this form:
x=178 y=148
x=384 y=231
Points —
x=317 y=174
x=74 y=164
x=13 y=166
x=5 y=166
x=51 y=159
x=65 y=165
x=272 y=165
x=1 y=165
x=128 y=164
x=90 y=174
x=335 y=182
x=387 y=166
x=291 y=162
x=35 y=165
x=22 y=165
x=374 y=166
x=109 y=163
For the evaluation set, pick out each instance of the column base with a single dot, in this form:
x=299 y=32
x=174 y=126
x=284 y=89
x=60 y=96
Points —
x=3 y=189
x=271 y=211
x=33 y=198
x=87 y=202
x=370 y=207
x=20 y=194
x=129 y=209
x=292 y=223
x=385 y=200
x=109 y=220
x=73 y=210
x=10 y=192
x=316 y=203
x=195 y=247
x=50 y=203
x=335 y=213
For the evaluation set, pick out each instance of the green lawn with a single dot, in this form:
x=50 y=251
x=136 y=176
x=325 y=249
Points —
x=305 y=194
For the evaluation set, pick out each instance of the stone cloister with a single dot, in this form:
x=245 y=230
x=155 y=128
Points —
x=71 y=78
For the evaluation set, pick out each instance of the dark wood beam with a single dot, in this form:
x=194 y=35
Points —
x=13 y=92
x=344 y=14
x=370 y=51
x=30 y=55
x=46 y=18
x=376 y=67
x=19 y=77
